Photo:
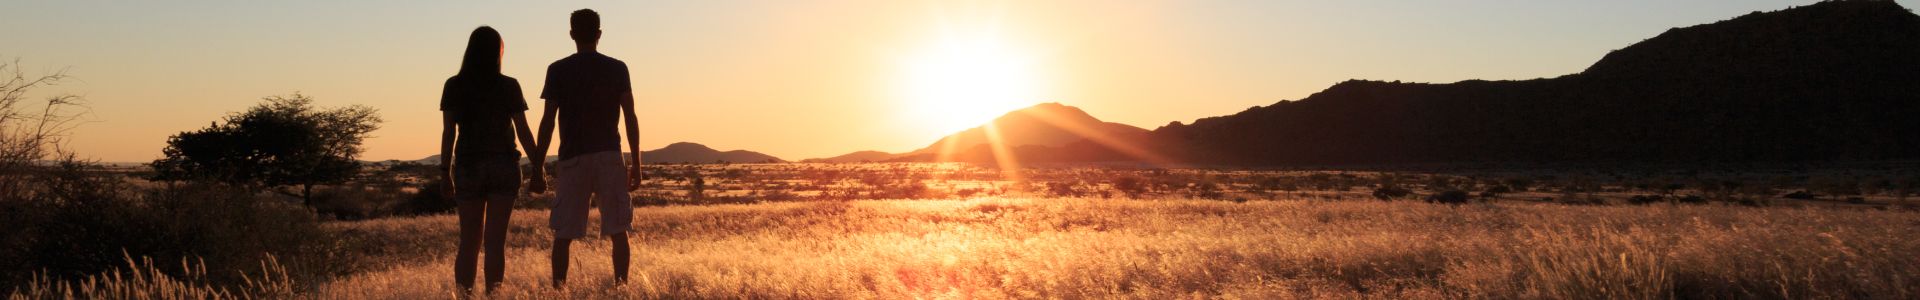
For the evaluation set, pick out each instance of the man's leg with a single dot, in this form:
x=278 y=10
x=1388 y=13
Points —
x=569 y=215
x=560 y=260
x=616 y=211
x=621 y=254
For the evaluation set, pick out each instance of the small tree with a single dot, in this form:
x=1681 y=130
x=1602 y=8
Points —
x=30 y=132
x=696 y=185
x=282 y=142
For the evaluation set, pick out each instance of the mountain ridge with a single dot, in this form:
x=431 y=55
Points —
x=1834 y=80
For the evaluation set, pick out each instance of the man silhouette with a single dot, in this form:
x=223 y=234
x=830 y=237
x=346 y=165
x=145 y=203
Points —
x=589 y=92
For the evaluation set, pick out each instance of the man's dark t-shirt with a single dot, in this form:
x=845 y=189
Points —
x=588 y=89
x=483 y=106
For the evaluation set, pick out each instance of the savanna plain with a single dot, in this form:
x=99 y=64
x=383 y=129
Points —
x=1129 y=234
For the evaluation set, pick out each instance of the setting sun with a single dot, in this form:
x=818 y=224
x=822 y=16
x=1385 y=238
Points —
x=963 y=80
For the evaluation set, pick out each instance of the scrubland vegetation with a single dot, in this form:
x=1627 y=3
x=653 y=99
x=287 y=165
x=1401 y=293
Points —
x=1078 y=247
x=1063 y=232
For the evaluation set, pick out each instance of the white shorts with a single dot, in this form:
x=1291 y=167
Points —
x=599 y=176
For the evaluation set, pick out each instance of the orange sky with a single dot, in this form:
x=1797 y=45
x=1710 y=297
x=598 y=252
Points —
x=800 y=79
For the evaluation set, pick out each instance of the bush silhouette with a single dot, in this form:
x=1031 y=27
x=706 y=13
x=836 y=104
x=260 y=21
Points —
x=1133 y=186
x=1449 y=197
x=85 y=221
x=1645 y=199
x=1802 y=195
x=1391 y=192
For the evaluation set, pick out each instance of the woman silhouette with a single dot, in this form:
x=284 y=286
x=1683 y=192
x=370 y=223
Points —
x=483 y=111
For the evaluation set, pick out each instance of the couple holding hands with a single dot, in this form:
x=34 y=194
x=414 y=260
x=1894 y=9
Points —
x=587 y=93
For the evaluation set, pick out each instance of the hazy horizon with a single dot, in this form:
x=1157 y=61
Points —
x=804 y=79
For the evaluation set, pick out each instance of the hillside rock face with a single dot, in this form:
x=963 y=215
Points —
x=1837 y=80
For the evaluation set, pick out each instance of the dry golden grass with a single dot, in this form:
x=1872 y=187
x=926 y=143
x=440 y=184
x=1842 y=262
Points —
x=144 y=280
x=1091 y=248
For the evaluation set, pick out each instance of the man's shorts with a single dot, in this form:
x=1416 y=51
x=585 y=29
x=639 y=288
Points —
x=480 y=177
x=600 y=176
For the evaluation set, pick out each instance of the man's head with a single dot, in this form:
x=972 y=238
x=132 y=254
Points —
x=586 y=28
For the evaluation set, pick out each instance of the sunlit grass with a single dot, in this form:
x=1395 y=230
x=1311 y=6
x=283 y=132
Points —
x=1092 y=248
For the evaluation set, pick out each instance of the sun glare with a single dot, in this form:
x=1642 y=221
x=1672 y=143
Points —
x=962 y=81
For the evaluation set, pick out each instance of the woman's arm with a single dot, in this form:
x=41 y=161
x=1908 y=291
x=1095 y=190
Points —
x=447 y=136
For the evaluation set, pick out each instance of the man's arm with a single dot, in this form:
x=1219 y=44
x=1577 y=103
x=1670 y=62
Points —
x=537 y=182
x=447 y=135
x=633 y=140
x=546 y=129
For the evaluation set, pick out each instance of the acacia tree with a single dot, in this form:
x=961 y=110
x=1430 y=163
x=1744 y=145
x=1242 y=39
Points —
x=284 y=142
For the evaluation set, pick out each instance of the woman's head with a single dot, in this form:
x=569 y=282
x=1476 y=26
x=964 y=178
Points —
x=484 y=48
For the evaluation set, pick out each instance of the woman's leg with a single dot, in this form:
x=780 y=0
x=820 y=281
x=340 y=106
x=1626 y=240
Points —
x=472 y=215
x=499 y=217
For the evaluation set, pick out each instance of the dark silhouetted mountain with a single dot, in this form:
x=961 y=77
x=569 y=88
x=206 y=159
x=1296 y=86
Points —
x=435 y=159
x=684 y=152
x=856 y=156
x=1837 y=80
x=1041 y=126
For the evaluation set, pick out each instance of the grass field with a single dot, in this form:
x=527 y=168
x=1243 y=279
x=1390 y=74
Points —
x=1093 y=248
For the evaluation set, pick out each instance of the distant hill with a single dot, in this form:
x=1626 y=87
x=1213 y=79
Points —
x=1836 y=80
x=682 y=152
x=855 y=157
x=1041 y=126
x=1033 y=130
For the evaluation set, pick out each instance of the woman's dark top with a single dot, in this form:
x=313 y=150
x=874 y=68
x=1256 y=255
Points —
x=484 y=106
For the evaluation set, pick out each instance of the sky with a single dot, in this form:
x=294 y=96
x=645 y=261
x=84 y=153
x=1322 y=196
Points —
x=797 y=79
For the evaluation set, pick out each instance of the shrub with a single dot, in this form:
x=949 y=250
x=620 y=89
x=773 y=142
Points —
x=428 y=200
x=84 y=221
x=359 y=201
x=1063 y=189
x=1133 y=186
x=1448 y=197
x=1692 y=199
x=1574 y=199
x=1645 y=199
x=1206 y=189
x=1391 y=192
x=1519 y=184
x=967 y=192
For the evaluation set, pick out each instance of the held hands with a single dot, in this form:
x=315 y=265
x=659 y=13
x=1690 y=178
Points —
x=537 y=181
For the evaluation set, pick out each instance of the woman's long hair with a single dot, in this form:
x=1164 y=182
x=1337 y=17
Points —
x=483 y=52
